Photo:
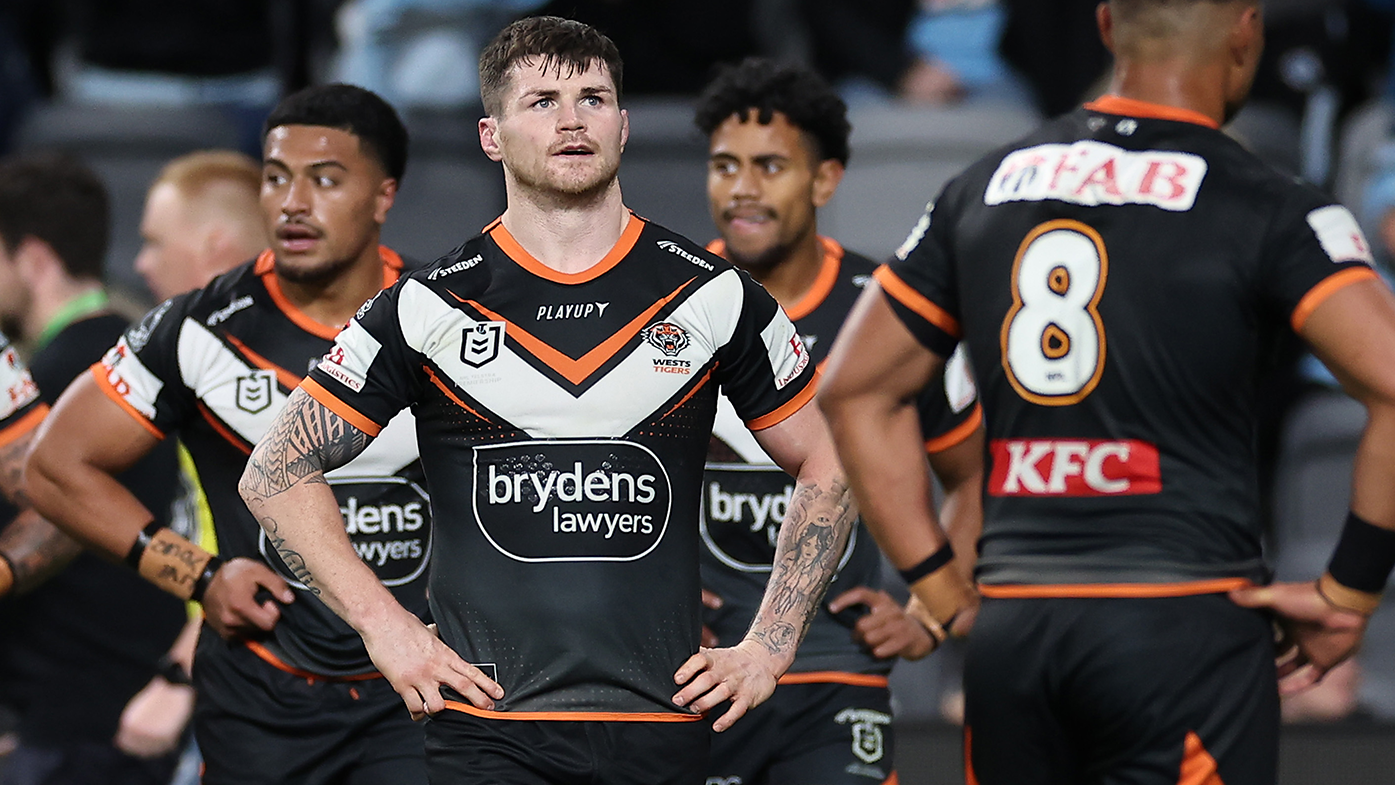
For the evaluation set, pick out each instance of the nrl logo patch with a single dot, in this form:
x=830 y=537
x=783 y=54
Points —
x=254 y=391
x=667 y=337
x=480 y=344
x=867 y=740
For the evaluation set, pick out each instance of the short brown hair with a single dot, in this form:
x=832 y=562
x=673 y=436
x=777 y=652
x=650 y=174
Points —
x=559 y=42
x=56 y=198
x=193 y=173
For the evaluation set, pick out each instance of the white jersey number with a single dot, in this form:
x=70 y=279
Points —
x=1053 y=339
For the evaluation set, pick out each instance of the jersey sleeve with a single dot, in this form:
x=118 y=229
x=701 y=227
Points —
x=371 y=373
x=21 y=409
x=141 y=373
x=1315 y=250
x=764 y=369
x=949 y=408
x=919 y=283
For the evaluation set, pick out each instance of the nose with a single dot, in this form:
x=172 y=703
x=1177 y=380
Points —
x=569 y=119
x=297 y=197
x=745 y=184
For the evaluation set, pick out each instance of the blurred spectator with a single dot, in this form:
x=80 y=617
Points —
x=202 y=218
x=960 y=38
x=76 y=649
x=420 y=53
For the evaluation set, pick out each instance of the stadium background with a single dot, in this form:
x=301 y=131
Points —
x=1322 y=109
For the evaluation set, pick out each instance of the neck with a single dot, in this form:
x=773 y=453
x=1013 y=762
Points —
x=1184 y=85
x=789 y=279
x=335 y=301
x=568 y=235
x=50 y=300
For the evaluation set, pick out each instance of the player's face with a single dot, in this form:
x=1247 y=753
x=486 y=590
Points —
x=324 y=199
x=173 y=243
x=558 y=133
x=763 y=187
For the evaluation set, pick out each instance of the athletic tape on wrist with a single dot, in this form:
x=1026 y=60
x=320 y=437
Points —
x=210 y=568
x=1363 y=558
x=944 y=593
x=143 y=539
x=172 y=562
x=1345 y=598
x=933 y=562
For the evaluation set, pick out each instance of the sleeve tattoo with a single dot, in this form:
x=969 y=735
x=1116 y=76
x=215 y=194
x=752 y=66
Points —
x=818 y=521
x=36 y=548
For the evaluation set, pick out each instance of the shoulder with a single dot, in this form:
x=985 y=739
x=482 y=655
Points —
x=464 y=271
x=668 y=247
x=856 y=265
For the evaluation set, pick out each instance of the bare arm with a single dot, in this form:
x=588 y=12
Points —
x=34 y=550
x=284 y=486
x=1353 y=331
x=960 y=471
x=874 y=372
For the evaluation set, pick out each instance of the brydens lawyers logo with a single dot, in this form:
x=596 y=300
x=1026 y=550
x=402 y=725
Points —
x=480 y=344
x=1073 y=467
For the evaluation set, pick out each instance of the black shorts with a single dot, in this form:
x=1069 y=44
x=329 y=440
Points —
x=808 y=734
x=462 y=749
x=1109 y=691
x=257 y=725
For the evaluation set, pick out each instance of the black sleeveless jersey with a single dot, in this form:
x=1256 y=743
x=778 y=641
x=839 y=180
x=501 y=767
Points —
x=745 y=495
x=215 y=366
x=563 y=422
x=1116 y=276
x=21 y=409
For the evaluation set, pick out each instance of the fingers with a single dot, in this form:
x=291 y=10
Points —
x=695 y=665
x=858 y=595
x=711 y=599
x=738 y=709
x=1300 y=679
x=1253 y=597
x=696 y=690
x=274 y=583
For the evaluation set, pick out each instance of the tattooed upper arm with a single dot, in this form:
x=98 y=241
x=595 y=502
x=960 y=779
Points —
x=306 y=440
x=12 y=470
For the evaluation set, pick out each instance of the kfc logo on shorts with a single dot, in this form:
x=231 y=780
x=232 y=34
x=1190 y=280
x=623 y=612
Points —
x=667 y=337
x=480 y=344
x=1073 y=467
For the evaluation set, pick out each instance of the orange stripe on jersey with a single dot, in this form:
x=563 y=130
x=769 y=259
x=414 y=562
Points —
x=576 y=371
x=705 y=377
x=823 y=284
x=719 y=247
x=229 y=436
x=276 y=662
x=516 y=252
x=970 y=778
x=1130 y=107
x=957 y=434
x=332 y=402
x=1198 y=766
x=892 y=780
x=1326 y=288
x=834 y=677
x=265 y=268
x=575 y=716
x=24 y=424
x=1112 y=590
x=436 y=380
x=790 y=407
x=904 y=294
x=287 y=379
x=99 y=372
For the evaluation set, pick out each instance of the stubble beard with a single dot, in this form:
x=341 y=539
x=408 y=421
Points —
x=315 y=275
x=571 y=190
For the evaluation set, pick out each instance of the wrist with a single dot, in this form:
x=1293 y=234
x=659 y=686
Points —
x=1360 y=566
x=172 y=671
x=172 y=562
x=940 y=593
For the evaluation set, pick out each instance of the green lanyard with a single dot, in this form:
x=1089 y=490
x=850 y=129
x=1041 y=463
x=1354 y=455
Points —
x=75 y=309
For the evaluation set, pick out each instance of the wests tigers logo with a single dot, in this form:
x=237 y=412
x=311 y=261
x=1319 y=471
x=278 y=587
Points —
x=667 y=337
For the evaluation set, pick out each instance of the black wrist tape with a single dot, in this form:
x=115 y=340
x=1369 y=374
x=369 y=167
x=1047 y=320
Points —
x=205 y=578
x=933 y=562
x=1364 y=556
x=142 y=540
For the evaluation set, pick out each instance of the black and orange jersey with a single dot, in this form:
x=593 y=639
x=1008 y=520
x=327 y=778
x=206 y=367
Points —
x=745 y=495
x=215 y=366
x=21 y=409
x=1117 y=277
x=563 y=421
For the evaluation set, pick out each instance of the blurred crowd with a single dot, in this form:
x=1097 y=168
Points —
x=1323 y=108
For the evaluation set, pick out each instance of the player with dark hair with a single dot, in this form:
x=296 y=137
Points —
x=564 y=368
x=1116 y=276
x=778 y=141
x=286 y=692
x=92 y=634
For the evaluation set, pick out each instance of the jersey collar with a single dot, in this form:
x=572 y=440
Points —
x=823 y=283
x=1129 y=107
x=527 y=261
x=265 y=268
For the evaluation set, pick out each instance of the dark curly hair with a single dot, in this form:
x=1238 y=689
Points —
x=795 y=91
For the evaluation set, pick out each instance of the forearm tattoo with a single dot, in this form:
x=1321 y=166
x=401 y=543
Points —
x=817 y=524
x=12 y=471
x=294 y=561
x=306 y=441
x=36 y=549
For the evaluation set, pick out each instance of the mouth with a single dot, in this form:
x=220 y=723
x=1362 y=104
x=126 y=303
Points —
x=298 y=237
x=575 y=149
x=749 y=219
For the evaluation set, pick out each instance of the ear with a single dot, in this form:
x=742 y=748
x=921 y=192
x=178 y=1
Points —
x=489 y=138
x=826 y=179
x=35 y=260
x=1247 y=37
x=624 y=129
x=1104 y=17
x=383 y=200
